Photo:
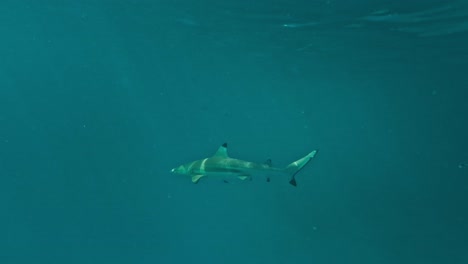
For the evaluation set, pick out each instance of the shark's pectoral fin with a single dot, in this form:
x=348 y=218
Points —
x=243 y=177
x=196 y=178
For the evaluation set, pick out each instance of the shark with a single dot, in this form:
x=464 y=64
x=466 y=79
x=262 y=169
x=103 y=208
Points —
x=221 y=166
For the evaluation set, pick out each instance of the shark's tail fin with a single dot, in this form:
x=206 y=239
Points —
x=293 y=168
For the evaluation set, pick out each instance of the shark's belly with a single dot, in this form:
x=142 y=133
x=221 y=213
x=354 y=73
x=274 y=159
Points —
x=234 y=172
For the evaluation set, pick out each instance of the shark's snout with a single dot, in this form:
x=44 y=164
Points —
x=179 y=170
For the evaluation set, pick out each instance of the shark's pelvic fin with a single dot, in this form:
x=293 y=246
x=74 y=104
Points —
x=222 y=151
x=196 y=178
x=296 y=166
x=243 y=177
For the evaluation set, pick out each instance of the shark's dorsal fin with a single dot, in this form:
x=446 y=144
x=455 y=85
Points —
x=221 y=152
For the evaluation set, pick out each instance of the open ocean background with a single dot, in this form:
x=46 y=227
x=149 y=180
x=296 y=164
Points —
x=100 y=99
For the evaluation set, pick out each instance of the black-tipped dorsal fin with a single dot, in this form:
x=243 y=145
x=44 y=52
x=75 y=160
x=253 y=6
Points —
x=222 y=151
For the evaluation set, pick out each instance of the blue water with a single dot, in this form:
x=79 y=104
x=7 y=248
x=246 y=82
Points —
x=100 y=99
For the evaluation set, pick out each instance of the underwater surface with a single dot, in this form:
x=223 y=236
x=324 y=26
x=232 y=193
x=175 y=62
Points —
x=100 y=99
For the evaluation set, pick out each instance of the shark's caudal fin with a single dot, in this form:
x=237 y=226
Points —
x=293 y=168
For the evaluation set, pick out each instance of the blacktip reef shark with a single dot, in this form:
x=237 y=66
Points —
x=221 y=166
